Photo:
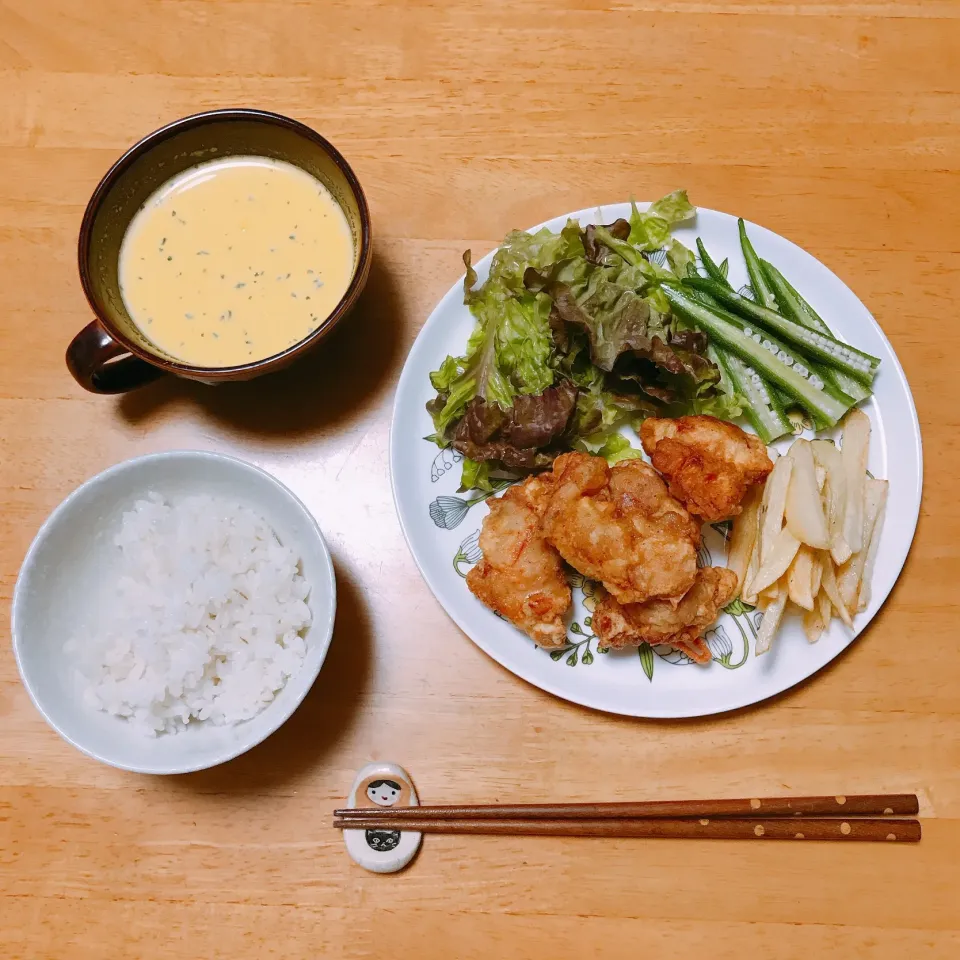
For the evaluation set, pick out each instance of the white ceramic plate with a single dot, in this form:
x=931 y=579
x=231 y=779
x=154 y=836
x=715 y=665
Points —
x=442 y=526
x=73 y=555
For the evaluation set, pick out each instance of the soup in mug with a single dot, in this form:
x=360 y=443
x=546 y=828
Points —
x=235 y=260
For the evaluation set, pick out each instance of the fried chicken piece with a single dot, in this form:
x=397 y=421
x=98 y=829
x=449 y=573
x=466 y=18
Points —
x=708 y=463
x=658 y=621
x=520 y=575
x=619 y=525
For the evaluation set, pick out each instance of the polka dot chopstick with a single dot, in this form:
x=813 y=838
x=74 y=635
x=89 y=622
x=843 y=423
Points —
x=865 y=818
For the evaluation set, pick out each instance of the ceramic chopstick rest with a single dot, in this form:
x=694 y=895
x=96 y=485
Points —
x=379 y=785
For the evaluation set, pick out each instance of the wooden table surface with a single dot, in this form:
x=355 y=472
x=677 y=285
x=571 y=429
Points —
x=833 y=122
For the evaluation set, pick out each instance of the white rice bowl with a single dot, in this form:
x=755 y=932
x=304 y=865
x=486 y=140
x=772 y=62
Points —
x=69 y=588
x=204 y=624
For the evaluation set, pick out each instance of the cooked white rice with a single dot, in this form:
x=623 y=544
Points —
x=204 y=623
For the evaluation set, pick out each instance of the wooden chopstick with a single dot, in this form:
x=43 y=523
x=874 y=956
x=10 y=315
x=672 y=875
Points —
x=895 y=804
x=704 y=828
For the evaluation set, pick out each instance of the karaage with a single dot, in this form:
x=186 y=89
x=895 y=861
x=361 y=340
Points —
x=619 y=525
x=520 y=575
x=660 y=621
x=708 y=463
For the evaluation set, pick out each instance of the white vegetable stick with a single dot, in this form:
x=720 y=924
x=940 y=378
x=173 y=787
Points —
x=753 y=564
x=826 y=608
x=777 y=562
x=774 y=502
x=817 y=574
x=830 y=587
x=856 y=447
x=771 y=591
x=771 y=623
x=847 y=577
x=828 y=456
x=800 y=578
x=745 y=593
x=802 y=510
x=840 y=550
x=866 y=580
x=744 y=536
x=813 y=624
x=850 y=575
x=768 y=596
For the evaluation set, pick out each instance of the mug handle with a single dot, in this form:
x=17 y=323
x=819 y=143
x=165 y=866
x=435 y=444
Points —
x=102 y=365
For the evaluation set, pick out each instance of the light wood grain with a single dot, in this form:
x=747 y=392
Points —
x=834 y=123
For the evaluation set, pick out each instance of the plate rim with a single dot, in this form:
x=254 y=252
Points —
x=586 y=699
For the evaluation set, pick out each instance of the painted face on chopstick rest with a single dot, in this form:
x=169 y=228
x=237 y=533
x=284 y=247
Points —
x=379 y=786
x=386 y=793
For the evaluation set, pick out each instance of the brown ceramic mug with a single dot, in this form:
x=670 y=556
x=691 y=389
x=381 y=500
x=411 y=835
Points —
x=111 y=354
